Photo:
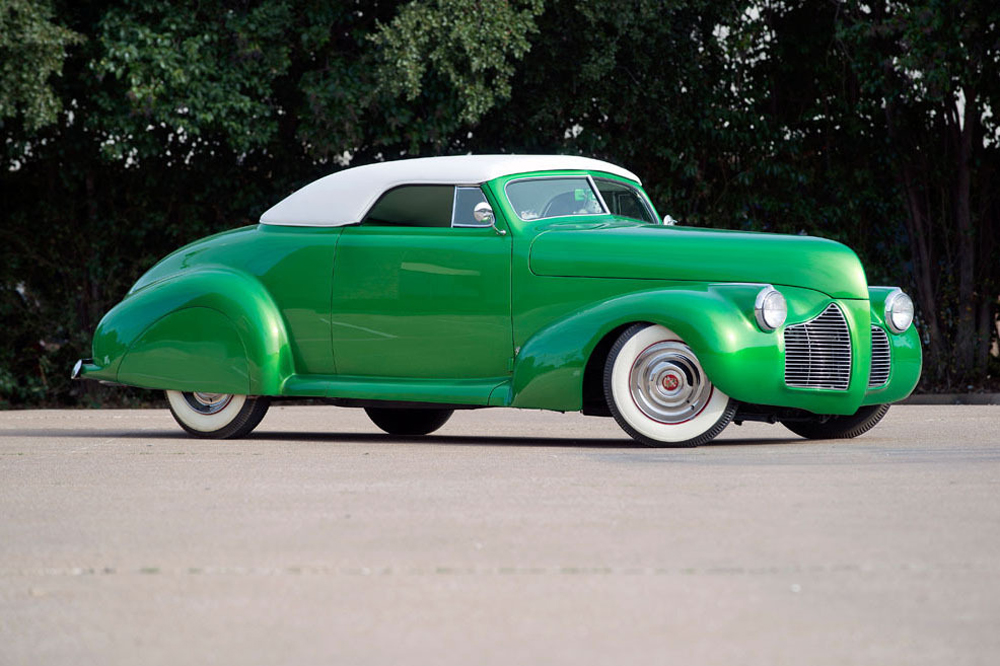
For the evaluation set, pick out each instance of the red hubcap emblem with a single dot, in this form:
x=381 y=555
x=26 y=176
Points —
x=670 y=382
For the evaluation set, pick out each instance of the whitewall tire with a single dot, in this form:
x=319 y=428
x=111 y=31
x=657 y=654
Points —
x=217 y=415
x=658 y=392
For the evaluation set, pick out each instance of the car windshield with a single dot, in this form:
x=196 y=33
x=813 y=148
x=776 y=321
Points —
x=536 y=198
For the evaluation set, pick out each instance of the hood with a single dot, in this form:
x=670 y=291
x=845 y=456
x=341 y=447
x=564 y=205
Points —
x=703 y=255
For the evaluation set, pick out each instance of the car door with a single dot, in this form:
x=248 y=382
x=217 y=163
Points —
x=422 y=290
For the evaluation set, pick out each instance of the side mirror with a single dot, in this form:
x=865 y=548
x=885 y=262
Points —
x=483 y=213
x=669 y=220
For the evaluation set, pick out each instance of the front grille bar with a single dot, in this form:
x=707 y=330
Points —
x=818 y=352
x=881 y=359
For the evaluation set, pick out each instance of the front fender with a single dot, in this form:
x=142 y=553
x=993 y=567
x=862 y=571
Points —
x=548 y=370
x=715 y=320
x=907 y=357
x=209 y=329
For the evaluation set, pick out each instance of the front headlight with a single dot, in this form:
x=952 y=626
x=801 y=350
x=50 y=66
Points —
x=898 y=311
x=770 y=308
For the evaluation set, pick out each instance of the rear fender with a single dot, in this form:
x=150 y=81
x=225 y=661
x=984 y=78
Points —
x=210 y=329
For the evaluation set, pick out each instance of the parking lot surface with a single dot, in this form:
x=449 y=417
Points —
x=508 y=537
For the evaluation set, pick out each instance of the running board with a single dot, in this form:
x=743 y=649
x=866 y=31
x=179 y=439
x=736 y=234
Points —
x=441 y=391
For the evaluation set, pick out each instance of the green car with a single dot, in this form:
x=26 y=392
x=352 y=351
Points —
x=416 y=287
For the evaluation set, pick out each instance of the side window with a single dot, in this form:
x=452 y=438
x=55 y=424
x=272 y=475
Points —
x=413 y=206
x=625 y=201
x=466 y=200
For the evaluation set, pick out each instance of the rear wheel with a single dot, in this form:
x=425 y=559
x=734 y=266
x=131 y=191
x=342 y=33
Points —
x=217 y=415
x=408 y=421
x=839 y=427
x=659 y=393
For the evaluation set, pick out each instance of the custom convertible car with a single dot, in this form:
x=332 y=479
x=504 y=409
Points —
x=416 y=287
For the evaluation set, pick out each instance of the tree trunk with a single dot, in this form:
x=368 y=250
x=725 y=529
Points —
x=965 y=356
x=923 y=268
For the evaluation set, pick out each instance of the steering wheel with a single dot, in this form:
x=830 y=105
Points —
x=564 y=204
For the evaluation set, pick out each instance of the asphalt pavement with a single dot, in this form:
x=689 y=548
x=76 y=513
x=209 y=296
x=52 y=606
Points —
x=509 y=537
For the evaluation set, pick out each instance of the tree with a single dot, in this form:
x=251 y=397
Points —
x=32 y=51
x=179 y=120
x=877 y=130
x=930 y=73
x=132 y=129
x=644 y=85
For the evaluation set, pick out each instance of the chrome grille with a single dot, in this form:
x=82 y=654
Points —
x=818 y=352
x=881 y=361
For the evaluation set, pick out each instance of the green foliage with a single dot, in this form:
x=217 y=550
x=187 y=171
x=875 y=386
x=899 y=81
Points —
x=195 y=70
x=132 y=129
x=32 y=50
x=929 y=79
x=471 y=44
x=643 y=86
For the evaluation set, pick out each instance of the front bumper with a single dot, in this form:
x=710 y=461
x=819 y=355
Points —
x=756 y=370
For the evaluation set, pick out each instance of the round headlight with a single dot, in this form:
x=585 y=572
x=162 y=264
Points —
x=770 y=308
x=898 y=311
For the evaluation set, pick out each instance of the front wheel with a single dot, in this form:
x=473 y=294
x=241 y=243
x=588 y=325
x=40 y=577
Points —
x=839 y=427
x=658 y=392
x=217 y=415
x=408 y=421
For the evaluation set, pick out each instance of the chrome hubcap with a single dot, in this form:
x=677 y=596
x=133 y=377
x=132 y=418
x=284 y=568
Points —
x=668 y=384
x=208 y=403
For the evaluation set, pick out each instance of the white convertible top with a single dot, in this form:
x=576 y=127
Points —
x=345 y=196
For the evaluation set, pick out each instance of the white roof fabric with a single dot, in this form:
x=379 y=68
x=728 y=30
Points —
x=344 y=197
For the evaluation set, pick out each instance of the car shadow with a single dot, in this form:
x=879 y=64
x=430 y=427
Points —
x=447 y=440
x=382 y=438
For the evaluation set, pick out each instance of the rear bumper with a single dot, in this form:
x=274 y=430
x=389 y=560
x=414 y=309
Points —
x=78 y=367
x=85 y=368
